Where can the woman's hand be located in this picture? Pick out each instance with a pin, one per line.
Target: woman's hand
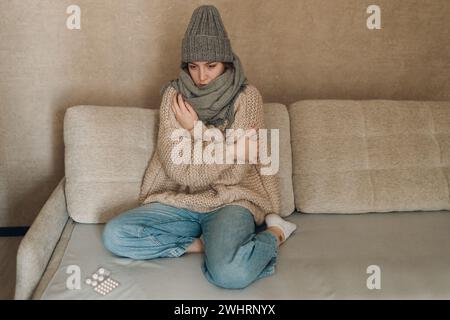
(184, 113)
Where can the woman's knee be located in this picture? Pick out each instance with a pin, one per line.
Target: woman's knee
(122, 229)
(230, 275)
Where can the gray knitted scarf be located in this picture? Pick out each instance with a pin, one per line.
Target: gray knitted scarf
(214, 103)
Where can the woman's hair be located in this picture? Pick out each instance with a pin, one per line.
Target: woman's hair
(228, 65)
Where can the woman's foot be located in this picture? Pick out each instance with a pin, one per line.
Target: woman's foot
(196, 246)
(281, 228)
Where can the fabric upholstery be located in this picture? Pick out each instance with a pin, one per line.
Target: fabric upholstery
(37, 246)
(326, 258)
(276, 116)
(370, 156)
(106, 153)
(56, 258)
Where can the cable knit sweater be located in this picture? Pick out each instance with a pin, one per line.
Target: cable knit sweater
(205, 187)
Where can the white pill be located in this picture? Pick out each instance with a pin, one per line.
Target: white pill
(101, 271)
(101, 278)
(88, 281)
(94, 283)
(95, 276)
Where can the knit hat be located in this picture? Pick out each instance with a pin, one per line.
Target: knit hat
(205, 38)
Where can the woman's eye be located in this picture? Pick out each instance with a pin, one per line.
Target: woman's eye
(213, 66)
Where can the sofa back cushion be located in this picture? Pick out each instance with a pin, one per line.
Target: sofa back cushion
(106, 153)
(107, 150)
(276, 116)
(370, 156)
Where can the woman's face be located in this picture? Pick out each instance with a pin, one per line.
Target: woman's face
(203, 72)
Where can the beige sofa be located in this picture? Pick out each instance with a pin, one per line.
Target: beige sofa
(367, 183)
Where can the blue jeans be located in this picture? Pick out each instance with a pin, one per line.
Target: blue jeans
(234, 255)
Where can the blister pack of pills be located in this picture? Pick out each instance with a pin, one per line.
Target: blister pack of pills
(102, 282)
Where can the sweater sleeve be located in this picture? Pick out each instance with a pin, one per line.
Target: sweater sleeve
(203, 174)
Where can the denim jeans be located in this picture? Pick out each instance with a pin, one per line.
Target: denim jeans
(234, 255)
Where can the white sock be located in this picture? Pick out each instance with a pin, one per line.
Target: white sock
(274, 220)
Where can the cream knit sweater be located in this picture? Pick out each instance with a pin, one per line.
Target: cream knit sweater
(206, 187)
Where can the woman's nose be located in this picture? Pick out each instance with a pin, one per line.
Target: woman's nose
(202, 76)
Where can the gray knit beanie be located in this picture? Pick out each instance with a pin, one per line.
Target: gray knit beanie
(205, 38)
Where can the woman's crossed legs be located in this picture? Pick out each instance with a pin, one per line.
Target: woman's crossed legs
(234, 255)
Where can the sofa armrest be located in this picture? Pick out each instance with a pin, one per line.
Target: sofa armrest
(37, 246)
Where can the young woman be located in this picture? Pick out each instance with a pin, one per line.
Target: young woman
(206, 207)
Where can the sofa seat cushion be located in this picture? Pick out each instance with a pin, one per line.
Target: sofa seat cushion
(327, 258)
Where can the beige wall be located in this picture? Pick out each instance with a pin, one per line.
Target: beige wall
(125, 51)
